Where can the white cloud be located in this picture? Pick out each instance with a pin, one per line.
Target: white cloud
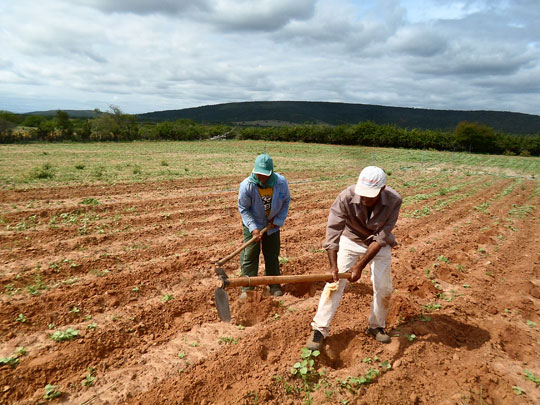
(147, 56)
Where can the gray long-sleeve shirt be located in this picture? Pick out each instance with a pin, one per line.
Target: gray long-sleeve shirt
(349, 217)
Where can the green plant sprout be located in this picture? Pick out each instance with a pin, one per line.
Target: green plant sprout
(305, 370)
(89, 379)
(227, 340)
(532, 377)
(410, 338)
(92, 326)
(21, 351)
(443, 259)
(353, 383)
(9, 361)
(51, 392)
(432, 307)
(166, 298)
(68, 334)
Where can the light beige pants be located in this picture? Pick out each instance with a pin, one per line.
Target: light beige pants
(381, 279)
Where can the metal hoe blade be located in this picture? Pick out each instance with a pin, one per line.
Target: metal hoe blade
(222, 305)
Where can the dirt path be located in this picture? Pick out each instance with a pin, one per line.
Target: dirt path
(130, 268)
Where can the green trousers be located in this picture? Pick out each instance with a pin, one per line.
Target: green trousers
(249, 258)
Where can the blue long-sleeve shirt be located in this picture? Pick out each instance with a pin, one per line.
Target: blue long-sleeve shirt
(251, 206)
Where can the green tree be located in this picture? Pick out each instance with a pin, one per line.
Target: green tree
(64, 124)
(114, 126)
(33, 120)
(475, 137)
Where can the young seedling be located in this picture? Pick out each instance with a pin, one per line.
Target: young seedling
(227, 340)
(20, 351)
(532, 377)
(92, 326)
(410, 338)
(89, 379)
(9, 361)
(181, 355)
(443, 259)
(166, 298)
(21, 318)
(283, 260)
(51, 392)
(68, 334)
(305, 370)
(518, 390)
(90, 201)
(432, 307)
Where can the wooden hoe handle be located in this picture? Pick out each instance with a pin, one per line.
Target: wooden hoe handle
(245, 245)
(267, 280)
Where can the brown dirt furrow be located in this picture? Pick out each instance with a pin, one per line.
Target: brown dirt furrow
(464, 314)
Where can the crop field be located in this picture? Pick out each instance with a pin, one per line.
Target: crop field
(107, 279)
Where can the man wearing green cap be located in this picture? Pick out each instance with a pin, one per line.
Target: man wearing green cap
(263, 201)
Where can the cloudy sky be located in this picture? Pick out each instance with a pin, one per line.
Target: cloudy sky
(152, 55)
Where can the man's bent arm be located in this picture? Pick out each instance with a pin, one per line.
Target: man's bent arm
(356, 270)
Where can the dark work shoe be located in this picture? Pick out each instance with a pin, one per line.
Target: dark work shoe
(379, 334)
(315, 341)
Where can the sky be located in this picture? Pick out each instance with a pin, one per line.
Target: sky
(143, 56)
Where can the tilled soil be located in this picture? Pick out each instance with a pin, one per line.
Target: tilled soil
(130, 267)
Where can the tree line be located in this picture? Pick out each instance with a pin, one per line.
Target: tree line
(116, 126)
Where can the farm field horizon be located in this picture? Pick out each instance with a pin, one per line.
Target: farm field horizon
(107, 281)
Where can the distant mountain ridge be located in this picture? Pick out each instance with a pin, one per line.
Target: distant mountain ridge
(300, 112)
(71, 113)
(266, 113)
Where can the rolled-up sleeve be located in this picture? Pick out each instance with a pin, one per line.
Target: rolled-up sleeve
(336, 224)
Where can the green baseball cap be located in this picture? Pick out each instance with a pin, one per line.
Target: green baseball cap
(263, 165)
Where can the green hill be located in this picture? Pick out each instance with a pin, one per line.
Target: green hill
(301, 112)
(71, 113)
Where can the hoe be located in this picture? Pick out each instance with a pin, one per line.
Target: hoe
(222, 301)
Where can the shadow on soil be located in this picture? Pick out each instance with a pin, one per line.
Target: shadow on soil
(341, 350)
(441, 329)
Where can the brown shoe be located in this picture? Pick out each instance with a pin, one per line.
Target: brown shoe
(379, 334)
(315, 341)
